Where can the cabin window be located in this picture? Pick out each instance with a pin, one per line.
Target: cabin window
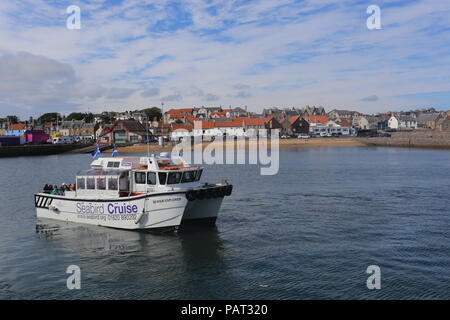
(174, 178)
(81, 184)
(90, 183)
(101, 184)
(113, 164)
(124, 182)
(199, 175)
(112, 184)
(162, 177)
(139, 177)
(188, 176)
(151, 178)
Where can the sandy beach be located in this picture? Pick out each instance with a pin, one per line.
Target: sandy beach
(283, 143)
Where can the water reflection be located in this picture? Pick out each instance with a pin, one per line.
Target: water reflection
(145, 264)
(193, 241)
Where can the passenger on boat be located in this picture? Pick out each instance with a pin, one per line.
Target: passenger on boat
(47, 188)
(54, 190)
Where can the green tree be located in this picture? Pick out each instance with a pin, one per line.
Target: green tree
(49, 117)
(12, 119)
(152, 113)
(77, 116)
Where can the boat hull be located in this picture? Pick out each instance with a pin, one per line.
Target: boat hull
(202, 211)
(153, 211)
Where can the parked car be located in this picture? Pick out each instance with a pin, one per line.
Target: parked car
(303, 136)
(284, 136)
(385, 134)
(63, 140)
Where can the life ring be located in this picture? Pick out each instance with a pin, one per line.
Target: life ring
(199, 194)
(209, 193)
(228, 190)
(215, 193)
(190, 195)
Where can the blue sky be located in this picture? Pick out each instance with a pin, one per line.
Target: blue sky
(137, 53)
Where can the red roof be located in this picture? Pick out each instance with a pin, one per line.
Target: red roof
(316, 119)
(177, 111)
(183, 116)
(292, 119)
(219, 113)
(179, 126)
(253, 121)
(17, 126)
(345, 123)
(205, 124)
(232, 123)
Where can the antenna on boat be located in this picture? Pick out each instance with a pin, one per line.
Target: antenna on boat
(148, 145)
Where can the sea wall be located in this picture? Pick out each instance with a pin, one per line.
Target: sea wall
(36, 150)
(412, 139)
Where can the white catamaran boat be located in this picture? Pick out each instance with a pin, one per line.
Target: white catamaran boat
(136, 193)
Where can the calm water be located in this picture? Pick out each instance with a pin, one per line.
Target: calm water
(309, 232)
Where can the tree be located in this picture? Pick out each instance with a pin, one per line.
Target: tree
(49, 117)
(77, 116)
(108, 117)
(152, 113)
(12, 119)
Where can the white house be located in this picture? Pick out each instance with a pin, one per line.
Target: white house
(331, 127)
(402, 122)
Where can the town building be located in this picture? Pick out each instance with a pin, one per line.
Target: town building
(294, 125)
(16, 130)
(402, 122)
(429, 120)
(360, 122)
(336, 114)
(123, 131)
(77, 128)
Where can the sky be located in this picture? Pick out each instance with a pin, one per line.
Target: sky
(133, 54)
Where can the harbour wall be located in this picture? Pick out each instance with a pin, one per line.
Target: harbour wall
(37, 150)
(412, 139)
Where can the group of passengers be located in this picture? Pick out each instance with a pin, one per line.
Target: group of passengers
(60, 191)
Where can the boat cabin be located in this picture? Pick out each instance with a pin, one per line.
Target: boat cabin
(129, 176)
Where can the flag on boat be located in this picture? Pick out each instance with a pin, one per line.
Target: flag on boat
(115, 153)
(97, 152)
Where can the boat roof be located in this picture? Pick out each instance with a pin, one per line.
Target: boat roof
(100, 172)
(154, 162)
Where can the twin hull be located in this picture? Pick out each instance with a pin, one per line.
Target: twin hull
(150, 211)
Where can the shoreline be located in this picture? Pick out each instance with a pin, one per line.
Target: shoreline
(283, 144)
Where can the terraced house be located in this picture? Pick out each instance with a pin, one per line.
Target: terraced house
(123, 131)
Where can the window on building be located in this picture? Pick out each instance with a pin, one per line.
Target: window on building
(162, 176)
(174, 178)
(81, 184)
(112, 184)
(151, 178)
(90, 183)
(188, 176)
(139, 177)
(101, 183)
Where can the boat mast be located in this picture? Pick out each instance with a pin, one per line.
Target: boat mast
(148, 145)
